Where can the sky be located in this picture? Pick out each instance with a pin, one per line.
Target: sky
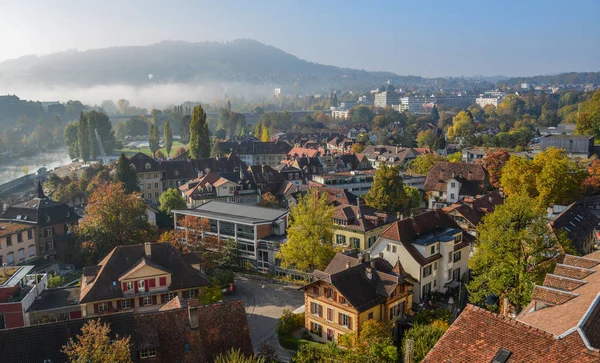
(425, 38)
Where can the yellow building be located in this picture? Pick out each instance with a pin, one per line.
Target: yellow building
(358, 226)
(352, 291)
(149, 174)
(141, 278)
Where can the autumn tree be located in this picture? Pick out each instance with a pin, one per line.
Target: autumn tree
(199, 134)
(387, 192)
(375, 341)
(493, 162)
(268, 200)
(421, 339)
(588, 120)
(265, 135)
(126, 174)
(423, 163)
(512, 251)
(592, 181)
(462, 125)
(168, 136)
(236, 356)
(96, 344)
(310, 234)
(171, 199)
(357, 148)
(426, 138)
(551, 177)
(113, 218)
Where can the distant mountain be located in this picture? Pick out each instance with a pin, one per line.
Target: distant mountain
(246, 61)
(555, 79)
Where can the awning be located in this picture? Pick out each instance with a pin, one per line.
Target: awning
(452, 284)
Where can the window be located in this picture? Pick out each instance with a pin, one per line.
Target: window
(344, 320)
(156, 185)
(141, 285)
(340, 239)
(315, 308)
(426, 290)
(457, 256)
(343, 300)
(155, 194)
(125, 304)
(19, 237)
(149, 186)
(48, 232)
(316, 328)
(148, 353)
(102, 307)
(169, 296)
(8, 241)
(370, 317)
(397, 310)
(315, 290)
(328, 293)
(30, 234)
(451, 195)
(21, 254)
(388, 247)
(433, 249)
(11, 258)
(452, 185)
(329, 334)
(354, 242)
(426, 271)
(435, 265)
(149, 195)
(372, 240)
(31, 251)
(162, 281)
(130, 285)
(190, 294)
(458, 238)
(329, 314)
(148, 300)
(393, 249)
(449, 256)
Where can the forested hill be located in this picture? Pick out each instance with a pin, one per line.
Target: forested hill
(557, 79)
(246, 61)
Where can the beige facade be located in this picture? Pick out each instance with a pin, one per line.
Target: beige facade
(353, 238)
(17, 243)
(150, 184)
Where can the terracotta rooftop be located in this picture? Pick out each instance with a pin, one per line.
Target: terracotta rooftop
(566, 297)
(478, 335)
(473, 178)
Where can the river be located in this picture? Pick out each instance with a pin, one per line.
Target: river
(49, 159)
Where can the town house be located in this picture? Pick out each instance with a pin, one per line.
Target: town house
(431, 247)
(140, 277)
(447, 183)
(231, 187)
(149, 174)
(17, 242)
(358, 226)
(351, 291)
(579, 225)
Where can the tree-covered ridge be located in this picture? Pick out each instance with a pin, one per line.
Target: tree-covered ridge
(556, 79)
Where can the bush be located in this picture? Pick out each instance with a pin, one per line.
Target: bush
(423, 338)
(290, 322)
(427, 316)
(55, 281)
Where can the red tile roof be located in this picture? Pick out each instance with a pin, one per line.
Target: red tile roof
(473, 178)
(551, 295)
(477, 336)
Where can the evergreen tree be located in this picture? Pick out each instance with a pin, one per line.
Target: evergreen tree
(199, 135)
(435, 115)
(153, 139)
(83, 137)
(184, 129)
(126, 175)
(92, 143)
(168, 136)
(258, 131)
(387, 193)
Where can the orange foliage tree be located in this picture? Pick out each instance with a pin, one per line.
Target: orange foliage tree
(493, 162)
(95, 345)
(592, 181)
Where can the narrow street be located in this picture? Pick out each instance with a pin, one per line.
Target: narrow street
(265, 303)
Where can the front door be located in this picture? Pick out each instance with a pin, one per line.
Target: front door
(456, 274)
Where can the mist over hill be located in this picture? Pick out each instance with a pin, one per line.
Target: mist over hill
(241, 62)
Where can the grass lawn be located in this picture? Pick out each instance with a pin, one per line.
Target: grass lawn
(146, 150)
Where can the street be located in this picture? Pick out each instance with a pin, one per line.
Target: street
(265, 302)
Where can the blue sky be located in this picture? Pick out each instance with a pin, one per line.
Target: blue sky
(427, 38)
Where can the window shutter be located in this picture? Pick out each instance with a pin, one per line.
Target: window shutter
(95, 308)
(320, 330)
(147, 284)
(124, 286)
(153, 299)
(163, 298)
(152, 282)
(141, 300)
(350, 322)
(163, 281)
(335, 295)
(340, 318)
(135, 287)
(119, 305)
(132, 303)
(320, 311)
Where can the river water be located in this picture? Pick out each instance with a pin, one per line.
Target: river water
(49, 159)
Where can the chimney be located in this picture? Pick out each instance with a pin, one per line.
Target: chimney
(148, 250)
(369, 273)
(193, 316)
(5, 269)
(358, 205)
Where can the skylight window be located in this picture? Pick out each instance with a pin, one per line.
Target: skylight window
(502, 356)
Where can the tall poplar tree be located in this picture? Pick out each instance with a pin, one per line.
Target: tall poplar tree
(83, 137)
(199, 134)
(153, 139)
(168, 135)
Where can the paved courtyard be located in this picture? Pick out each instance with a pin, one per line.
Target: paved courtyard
(265, 301)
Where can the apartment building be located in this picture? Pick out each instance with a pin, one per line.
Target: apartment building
(17, 242)
(258, 231)
(230, 187)
(149, 174)
(384, 99)
(357, 182)
(351, 291)
(141, 278)
(19, 289)
(431, 247)
(447, 183)
(358, 226)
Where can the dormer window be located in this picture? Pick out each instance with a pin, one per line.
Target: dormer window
(452, 185)
(148, 166)
(458, 238)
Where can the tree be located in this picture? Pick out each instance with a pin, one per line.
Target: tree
(357, 148)
(493, 162)
(83, 138)
(361, 114)
(95, 344)
(512, 252)
(426, 138)
(268, 200)
(126, 175)
(310, 234)
(387, 192)
(199, 135)
(551, 177)
(462, 125)
(236, 356)
(184, 129)
(168, 136)
(422, 339)
(210, 294)
(171, 199)
(588, 121)
(153, 140)
(265, 135)
(455, 157)
(375, 341)
(423, 163)
(25, 170)
(113, 218)
(435, 115)
(413, 198)
(592, 181)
